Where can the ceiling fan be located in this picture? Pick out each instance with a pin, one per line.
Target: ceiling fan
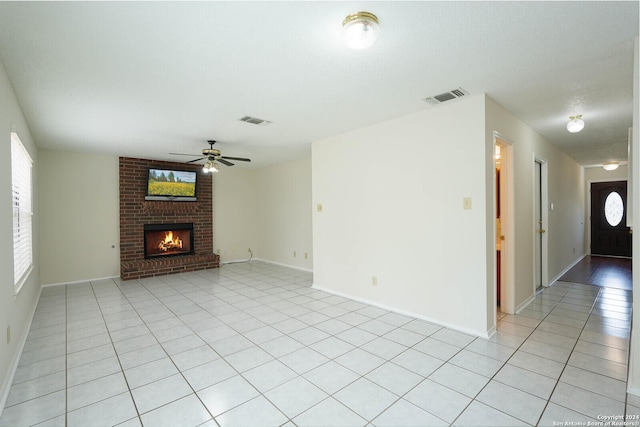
(213, 157)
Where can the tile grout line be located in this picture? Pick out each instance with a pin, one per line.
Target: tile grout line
(569, 357)
(527, 338)
(503, 365)
(238, 373)
(301, 375)
(116, 353)
(360, 376)
(298, 375)
(165, 352)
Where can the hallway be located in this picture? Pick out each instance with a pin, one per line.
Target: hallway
(608, 272)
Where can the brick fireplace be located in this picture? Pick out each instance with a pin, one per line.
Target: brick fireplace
(155, 219)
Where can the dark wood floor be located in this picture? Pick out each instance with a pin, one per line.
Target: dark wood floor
(602, 271)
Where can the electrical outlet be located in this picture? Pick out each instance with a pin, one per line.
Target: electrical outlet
(374, 280)
(8, 334)
(218, 251)
(319, 207)
(294, 254)
(306, 255)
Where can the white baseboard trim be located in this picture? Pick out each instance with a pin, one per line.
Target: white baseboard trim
(284, 265)
(6, 384)
(563, 272)
(80, 281)
(524, 304)
(482, 334)
(634, 390)
(492, 331)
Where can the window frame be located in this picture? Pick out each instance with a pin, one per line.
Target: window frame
(22, 211)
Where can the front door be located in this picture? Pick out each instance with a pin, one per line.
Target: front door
(609, 232)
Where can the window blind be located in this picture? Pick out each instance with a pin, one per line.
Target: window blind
(21, 185)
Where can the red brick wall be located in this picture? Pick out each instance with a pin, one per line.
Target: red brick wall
(135, 212)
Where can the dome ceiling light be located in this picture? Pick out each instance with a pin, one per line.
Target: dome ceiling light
(360, 30)
(610, 166)
(576, 124)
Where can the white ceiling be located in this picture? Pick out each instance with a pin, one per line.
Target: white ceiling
(144, 79)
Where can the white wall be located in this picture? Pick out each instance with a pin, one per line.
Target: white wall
(392, 207)
(284, 214)
(598, 174)
(79, 216)
(15, 311)
(566, 234)
(565, 229)
(267, 210)
(234, 214)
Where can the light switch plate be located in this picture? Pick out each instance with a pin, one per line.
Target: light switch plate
(466, 203)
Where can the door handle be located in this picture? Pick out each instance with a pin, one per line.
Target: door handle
(542, 231)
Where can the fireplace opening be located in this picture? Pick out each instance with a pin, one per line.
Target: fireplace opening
(164, 240)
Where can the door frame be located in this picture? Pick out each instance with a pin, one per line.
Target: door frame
(507, 223)
(545, 207)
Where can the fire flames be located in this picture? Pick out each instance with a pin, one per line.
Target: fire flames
(170, 242)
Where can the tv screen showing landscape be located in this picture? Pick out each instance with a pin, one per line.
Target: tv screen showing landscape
(171, 184)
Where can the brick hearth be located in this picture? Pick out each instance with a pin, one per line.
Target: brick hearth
(135, 212)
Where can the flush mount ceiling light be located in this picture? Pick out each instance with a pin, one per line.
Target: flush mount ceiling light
(576, 124)
(360, 30)
(610, 166)
(210, 166)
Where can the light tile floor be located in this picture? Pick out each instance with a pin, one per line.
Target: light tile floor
(254, 345)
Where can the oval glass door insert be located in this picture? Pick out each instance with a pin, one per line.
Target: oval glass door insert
(613, 209)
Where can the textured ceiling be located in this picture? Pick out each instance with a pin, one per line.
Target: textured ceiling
(145, 79)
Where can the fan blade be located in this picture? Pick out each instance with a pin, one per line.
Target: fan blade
(183, 154)
(196, 160)
(240, 159)
(224, 162)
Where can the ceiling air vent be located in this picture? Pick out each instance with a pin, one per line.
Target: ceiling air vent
(255, 121)
(447, 96)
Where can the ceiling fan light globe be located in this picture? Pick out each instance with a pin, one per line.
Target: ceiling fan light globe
(208, 167)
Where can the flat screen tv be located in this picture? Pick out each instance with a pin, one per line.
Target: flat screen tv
(171, 184)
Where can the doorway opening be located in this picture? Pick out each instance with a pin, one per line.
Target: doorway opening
(504, 257)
